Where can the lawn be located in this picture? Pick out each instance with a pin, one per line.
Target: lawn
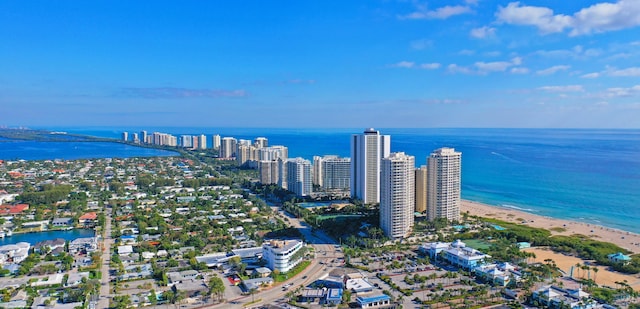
(477, 244)
(290, 274)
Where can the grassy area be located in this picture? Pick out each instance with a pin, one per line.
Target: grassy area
(290, 274)
(477, 244)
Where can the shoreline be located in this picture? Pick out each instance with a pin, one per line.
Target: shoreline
(624, 239)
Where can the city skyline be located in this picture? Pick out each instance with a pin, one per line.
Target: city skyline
(466, 63)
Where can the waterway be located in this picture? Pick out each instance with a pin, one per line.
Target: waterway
(34, 238)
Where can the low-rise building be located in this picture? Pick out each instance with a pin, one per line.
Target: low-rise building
(619, 258)
(374, 301)
(555, 297)
(14, 253)
(83, 244)
(47, 246)
(282, 255)
(456, 253)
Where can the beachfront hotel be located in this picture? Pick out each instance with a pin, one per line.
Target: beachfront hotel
(282, 255)
(397, 197)
(443, 184)
(367, 151)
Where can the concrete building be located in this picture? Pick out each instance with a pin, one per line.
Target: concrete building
(421, 189)
(202, 141)
(261, 142)
(397, 197)
(443, 184)
(125, 136)
(282, 255)
(144, 137)
(367, 151)
(228, 147)
(456, 253)
(299, 176)
(273, 153)
(332, 172)
(186, 141)
(136, 138)
(268, 171)
(216, 142)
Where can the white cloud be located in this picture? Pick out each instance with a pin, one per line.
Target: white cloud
(591, 75)
(430, 66)
(597, 18)
(493, 53)
(439, 13)
(568, 88)
(403, 64)
(622, 92)
(483, 32)
(577, 52)
(519, 70)
(540, 17)
(454, 68)
(628, 72)
(553, 69)
(603, 17)
(482, 67)
(420, 44)
(467, 52)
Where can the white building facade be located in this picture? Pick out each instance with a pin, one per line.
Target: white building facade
(367, 151)
(282, 255)
(444, 184)
(397, 195)
(299, 176)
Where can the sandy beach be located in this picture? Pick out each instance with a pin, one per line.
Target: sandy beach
(624, 239)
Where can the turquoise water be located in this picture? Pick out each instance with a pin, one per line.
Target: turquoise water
(584, 175)
(37, 150)
(34, 238)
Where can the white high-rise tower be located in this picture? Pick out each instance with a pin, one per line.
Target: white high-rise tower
(367, 151)
(443, 184)
(397, 195)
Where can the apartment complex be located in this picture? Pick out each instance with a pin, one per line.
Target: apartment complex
(397, 197)
(367, 151)
(444, 184)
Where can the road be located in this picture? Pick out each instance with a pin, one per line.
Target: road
(321, 243)
(103, 302)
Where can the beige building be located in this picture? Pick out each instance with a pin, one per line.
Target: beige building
(421, 189)
(397, 195)
(444, 184)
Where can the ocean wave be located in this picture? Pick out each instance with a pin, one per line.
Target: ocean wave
(504, 157)
(518, 208)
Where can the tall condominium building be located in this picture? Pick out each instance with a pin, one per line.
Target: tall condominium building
(125, 136)
(332, 172)
(195, 142)
(228, 147)
(367, 151)
(163, 139)
(244, 154)
(186, 141)
(443, 184)
(269, 172)
(143, 137)
(397, 186)
(260, 142)
(202, 142)
(273, 153)
(299, 176)
(216, 142)
(421, 189)
(136, 138)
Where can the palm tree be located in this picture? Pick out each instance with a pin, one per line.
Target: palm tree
(578, 268)
(595, 273)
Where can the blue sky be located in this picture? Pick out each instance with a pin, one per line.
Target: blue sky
(466, 63)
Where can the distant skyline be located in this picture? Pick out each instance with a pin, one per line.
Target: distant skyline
(345, 64)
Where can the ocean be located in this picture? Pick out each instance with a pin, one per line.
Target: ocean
(587, 175)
